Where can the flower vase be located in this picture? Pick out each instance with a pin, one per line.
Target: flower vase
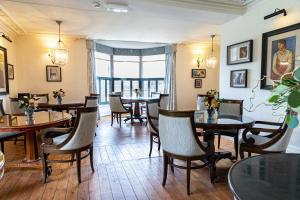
(59, 99)
(29, 113)
(210, 113)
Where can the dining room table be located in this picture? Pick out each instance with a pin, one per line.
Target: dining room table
(136, 101)
(267, 177)
(41, 120)
(207, 127)
(64, 106)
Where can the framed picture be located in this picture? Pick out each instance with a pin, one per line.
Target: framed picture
(240, 53)
(238, 78)
(11, 72)
(279, 48)
(198, 73)
(4, 87)
(198, 83)
(53, 73)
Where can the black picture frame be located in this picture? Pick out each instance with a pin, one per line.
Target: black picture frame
(264, 53)
(245, 46)
(243, 81)
(11, 72)
(53, 73)
(4, 83)
(198, 73)
(198, 83)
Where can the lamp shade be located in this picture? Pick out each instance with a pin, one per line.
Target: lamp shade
(211, 62)
(59, 55)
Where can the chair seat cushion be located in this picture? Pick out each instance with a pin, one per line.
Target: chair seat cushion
(259, 140)
(58, 140)
(9, 135)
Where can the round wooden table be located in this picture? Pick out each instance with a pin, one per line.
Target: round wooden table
(60, 107)
(41, 120)
(269, 176)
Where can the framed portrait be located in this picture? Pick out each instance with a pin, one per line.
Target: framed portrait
(238, 78)
(279, 49)
(240, 53)
(53, 73)
(11, 72)
(4, 87)
(198, 73)
(198, 83)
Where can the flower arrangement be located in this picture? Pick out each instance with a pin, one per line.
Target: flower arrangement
(137, 92)
(29, 105)
(286, 93)
(212, 100)
(58, 95)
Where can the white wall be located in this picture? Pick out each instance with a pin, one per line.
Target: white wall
(32, 59)
(251, 26)
(185, 62)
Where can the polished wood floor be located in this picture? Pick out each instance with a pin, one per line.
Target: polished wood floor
(123, 171)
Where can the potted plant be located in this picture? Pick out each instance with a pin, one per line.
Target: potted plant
(29, 105)
(58, 95)
(211, 102)
(286, 93)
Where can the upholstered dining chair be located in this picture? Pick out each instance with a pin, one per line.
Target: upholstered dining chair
(179, 140)
(117, 108)
(200, 101)
(234, 108)
(9, 136)
(79, 140)
(14, 106)
(152, 118)
(271, 138)
(164, 101)
(41, 98)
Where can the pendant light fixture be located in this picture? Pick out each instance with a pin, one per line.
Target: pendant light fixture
(211, 60)
(59, 54)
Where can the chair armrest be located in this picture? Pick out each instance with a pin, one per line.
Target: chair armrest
(49, 133)
(257, 131)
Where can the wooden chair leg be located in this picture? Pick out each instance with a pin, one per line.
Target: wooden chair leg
(249, 154)
(120, 121)
(242, 156)
(219, 141)
(131, 117)
(166, 161)
(188, 176)
(236, 146)
(2, 146)
(78, 160)
(158, 144)
(92, 158)
(45, 167)
(72, 158)
(151, 143)
(112, 119)
(171, 166)
(16, 140)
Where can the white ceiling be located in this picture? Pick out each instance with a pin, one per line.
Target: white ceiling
(163, 21)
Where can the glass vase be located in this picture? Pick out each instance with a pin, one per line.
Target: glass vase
(59, 99)
(29, 113)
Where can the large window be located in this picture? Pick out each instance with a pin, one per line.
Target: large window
(126, 73)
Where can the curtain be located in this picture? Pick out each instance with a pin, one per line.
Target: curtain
(91, 65)
(170, 79)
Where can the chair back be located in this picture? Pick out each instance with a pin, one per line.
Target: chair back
(2, 112)
(21, 95)
(200, 101)
(164, 101)
(178, 135)
(14, 106)
(117, 93)
(84, 130)
(152, 115)
(91, 101)
(41, 98)
(231, 107)
(115, 103)
(282, 143)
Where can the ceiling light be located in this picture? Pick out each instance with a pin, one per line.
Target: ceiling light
(211, 60)
(117, 8)
(59, 54)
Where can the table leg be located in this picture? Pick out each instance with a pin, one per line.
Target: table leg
(136, 111)
(31, 146)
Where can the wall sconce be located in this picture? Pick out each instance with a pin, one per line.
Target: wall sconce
(200, 58)
(275, 13)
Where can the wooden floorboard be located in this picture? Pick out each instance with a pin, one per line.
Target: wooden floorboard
(123, 170)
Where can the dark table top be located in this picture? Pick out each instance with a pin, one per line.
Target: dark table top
(270, 176)
(138, 99)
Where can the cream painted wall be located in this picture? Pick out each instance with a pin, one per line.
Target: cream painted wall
(251, 26)
(32, 59)
(185, 62)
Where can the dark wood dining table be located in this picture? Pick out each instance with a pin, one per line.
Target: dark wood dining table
(136, 110)
(67, 106)
(41, 120)
(267, 177)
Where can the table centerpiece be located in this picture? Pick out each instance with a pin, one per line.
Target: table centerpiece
(211, 102)
(58, 95)
(29, 104)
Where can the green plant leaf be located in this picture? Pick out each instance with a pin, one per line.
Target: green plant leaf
(274, 98)
(294, 99)
(297, 74)
(280, 89)
(296, 109)
(292, 121)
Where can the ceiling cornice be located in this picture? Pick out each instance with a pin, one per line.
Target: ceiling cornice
(8, 24)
